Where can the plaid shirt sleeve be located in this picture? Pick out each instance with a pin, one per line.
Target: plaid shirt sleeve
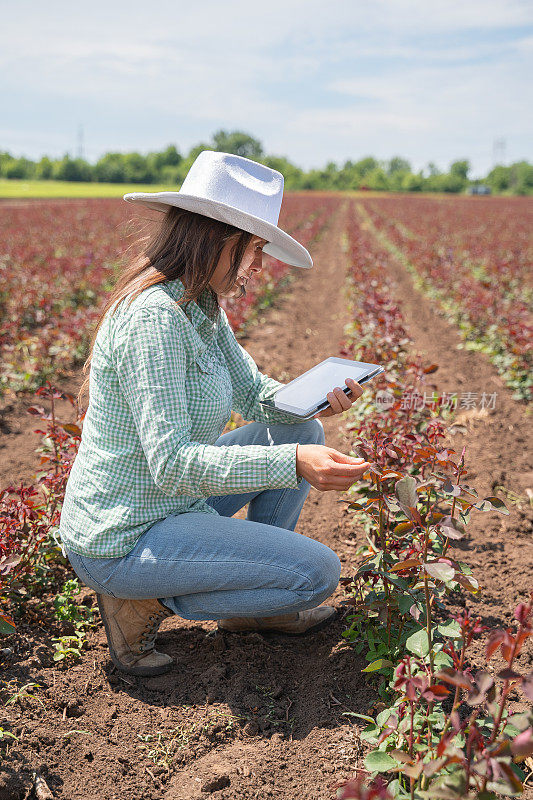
(249, 384)
(151, 353)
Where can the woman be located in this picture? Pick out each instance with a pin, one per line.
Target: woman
(147, 517)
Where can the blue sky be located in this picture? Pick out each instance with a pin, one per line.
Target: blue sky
(314, 81)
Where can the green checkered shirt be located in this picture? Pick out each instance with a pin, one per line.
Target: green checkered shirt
(163, 381)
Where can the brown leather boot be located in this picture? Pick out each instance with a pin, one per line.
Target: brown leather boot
(294, 624)
(131, 627)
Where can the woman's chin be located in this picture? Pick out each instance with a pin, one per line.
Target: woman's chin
(234, 294)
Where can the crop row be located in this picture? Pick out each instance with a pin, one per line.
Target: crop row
(59, 261)
(474, 260)
(443, 729)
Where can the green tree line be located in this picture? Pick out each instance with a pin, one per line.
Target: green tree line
(170, 167)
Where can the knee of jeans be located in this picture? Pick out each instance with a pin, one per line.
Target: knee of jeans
(312, 431)
(326, 572)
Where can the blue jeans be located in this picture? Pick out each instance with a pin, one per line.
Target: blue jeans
(206, 567)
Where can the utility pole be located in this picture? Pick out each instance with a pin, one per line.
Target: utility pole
(498, 151)
(80, 141)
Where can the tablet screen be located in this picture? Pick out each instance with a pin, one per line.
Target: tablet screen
(308, 390)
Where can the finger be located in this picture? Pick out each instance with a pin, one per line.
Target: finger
(341, 486)
(354, 386)
(333, 400)
(343, 458)
(357, 389)
(342, 398)
(347, 470)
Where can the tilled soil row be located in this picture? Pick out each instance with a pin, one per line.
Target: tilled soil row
(499, 453)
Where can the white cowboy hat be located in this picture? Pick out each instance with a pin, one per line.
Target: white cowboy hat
(238, 191)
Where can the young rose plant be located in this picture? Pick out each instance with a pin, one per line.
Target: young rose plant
(469, 748)
(29, 515)
(407, 571)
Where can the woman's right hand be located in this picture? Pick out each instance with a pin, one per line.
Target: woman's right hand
(327, 469)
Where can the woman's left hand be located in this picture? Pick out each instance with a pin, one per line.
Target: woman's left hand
(339, 401)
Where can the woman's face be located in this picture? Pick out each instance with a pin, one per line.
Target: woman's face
(252, 261)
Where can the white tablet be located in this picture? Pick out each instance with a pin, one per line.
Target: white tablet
(307, 394)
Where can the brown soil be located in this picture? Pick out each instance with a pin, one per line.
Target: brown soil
(499, 452)
(18, 459)
(290, 738)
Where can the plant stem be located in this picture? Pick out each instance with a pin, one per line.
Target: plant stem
(506, 687)
(56, 461)
(428, 624)
(456, 700)
(382, 538)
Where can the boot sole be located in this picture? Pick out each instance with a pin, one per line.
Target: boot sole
(313, 629)
(140, 671)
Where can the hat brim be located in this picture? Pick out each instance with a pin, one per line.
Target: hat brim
(279, 244)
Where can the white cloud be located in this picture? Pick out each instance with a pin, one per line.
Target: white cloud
(314, 81)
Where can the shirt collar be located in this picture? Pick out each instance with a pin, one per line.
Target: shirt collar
(202, 312)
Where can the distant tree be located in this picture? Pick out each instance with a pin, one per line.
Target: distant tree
(517, 178)
(447, 182)
(186, 163)
(44, 169)
(137, 169)
(351, 175)
(398, 164)
(239, 143)
(170, 167)
(292, 174)
(313, 179)
(170, 175)
(157, 162)
(433, 169)
(521, 177)
(5, 159)
(376, 179)
(498, 178)
(460, 169)
(366, 165)
(195, 151)
(412, 182)
(17, 167)
(110, 168)
(72, 169)
(347, 178)
(331, 176)
(171, 157)
(396, 180)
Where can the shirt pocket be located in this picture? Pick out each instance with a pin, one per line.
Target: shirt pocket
(209, 380)
(209, 393)
(204, 376)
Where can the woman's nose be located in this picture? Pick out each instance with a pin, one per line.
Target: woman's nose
(257, 263)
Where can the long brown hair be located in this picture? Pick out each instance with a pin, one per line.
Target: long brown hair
(185, 246)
